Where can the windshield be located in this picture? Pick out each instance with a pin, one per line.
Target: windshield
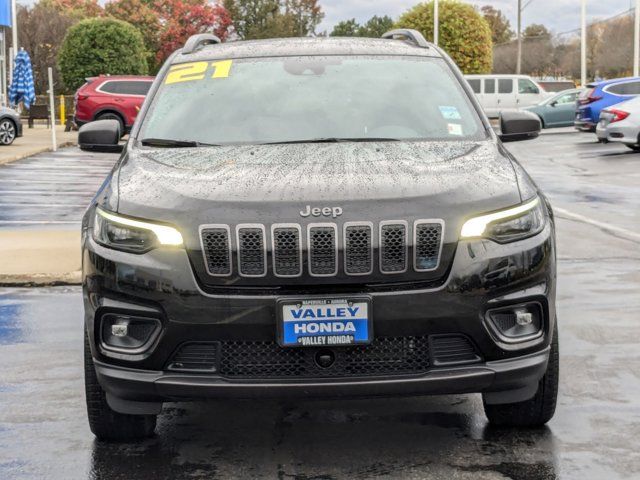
(296, 99)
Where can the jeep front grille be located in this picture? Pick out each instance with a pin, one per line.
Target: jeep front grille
(427, 244)
(217, 249)
(287, 254)
(323, 249)
(252, 253)
(393, 247)
(358, 256)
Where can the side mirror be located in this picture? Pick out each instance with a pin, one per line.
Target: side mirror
(520, 125)
(100, 136)
(554, 103)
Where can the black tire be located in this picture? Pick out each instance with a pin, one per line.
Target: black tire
(538, 410)
(113, 116)
(105, 423)
(635, 148)
(7, 131)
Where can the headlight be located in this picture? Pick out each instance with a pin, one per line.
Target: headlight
(507, 225)
(131, 235)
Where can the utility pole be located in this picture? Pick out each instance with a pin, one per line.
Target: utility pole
(14, 28)
(636, 41)
(583, 45)
(436, 22)
(519, 60)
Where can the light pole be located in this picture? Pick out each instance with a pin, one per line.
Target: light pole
(436, 22)
(636, 40)
(14, 27)
(519, 59)
(583, 45)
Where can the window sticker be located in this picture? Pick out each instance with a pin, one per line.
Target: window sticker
(454, 128)
(449, 112)
(195, 71)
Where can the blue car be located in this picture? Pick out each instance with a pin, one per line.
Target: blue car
(600, 95)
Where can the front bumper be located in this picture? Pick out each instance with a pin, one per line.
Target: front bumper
(502, 381)
(161, 284)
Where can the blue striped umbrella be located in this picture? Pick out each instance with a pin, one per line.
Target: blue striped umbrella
(22, 88)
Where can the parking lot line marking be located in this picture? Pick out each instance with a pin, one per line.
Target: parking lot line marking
(48, 192)
(45, 205)
(39, 222)
(623, 232)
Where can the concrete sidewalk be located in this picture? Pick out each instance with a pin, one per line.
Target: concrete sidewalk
(35, 140)
(39, 257)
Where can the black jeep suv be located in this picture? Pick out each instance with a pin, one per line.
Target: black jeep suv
(316, 217)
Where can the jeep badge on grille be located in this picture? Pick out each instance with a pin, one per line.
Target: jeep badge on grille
(324, 211)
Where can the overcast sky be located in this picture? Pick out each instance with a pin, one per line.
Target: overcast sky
(558, 15)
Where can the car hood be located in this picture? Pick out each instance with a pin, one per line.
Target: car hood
(275, 182)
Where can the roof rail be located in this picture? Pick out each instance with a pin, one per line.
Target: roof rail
(413, 36)
(194, 42)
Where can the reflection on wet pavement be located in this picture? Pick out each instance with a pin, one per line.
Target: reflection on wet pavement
(594, 435)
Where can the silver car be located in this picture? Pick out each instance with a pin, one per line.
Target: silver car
(621, 123)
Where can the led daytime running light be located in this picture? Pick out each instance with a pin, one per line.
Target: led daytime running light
(475, 227)
(166, 235)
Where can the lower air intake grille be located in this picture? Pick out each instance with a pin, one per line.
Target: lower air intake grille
(427, 245)
(393, 248)
(217, 253)
(322, 251)
(452, 350)
(357, 250)
(251, 251)
(267, 360)
(195, 357)
(385, 356)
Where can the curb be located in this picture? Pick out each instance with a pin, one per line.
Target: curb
(35, 151)
(41, 279)
(565, 132)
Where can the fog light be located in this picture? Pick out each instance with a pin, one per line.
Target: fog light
(126, 333)
(519, 323)
(119, 330)
(523, 317)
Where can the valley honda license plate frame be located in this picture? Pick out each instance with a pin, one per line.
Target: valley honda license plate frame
(324, 322)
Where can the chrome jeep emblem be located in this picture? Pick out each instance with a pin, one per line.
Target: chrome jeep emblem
(324, 211)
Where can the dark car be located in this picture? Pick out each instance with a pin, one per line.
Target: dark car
(10, 126)
(600, 95)
(316, 217)
(115, 97)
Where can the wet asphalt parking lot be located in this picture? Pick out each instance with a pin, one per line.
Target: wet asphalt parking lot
(595, 190)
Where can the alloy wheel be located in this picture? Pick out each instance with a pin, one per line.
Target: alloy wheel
(7, 132)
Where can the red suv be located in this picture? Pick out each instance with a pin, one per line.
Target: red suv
(116, 97)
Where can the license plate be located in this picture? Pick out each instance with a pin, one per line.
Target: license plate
(329, 322)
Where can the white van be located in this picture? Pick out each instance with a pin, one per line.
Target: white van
(498, 93)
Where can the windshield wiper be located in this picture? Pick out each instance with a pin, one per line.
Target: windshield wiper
(335, 140)
(170, 143)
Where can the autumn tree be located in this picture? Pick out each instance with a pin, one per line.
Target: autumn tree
(98, 46)
(142, 15)
(305, 14)
(374, 28)
(41, 29)
(464, 33)
(346, 28)
(77, 9)
(182, 18)
(536, 30)
(500, 26)
(274, 18)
